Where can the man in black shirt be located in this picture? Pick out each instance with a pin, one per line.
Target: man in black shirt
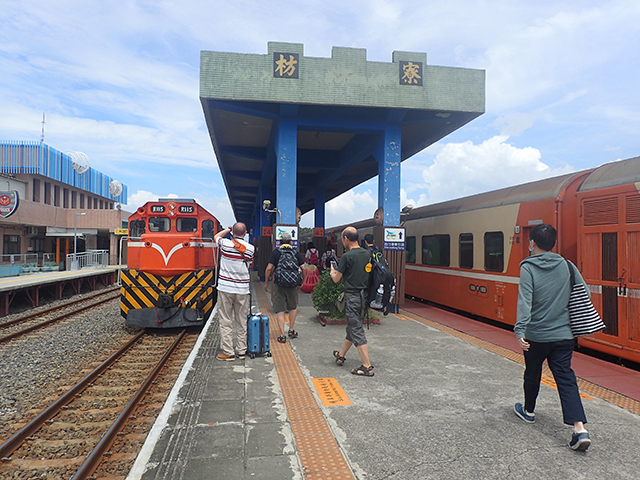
(354, 268)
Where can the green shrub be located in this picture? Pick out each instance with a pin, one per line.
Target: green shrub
(326, 293)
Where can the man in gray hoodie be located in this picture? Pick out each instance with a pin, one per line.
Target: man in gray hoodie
(543, 331)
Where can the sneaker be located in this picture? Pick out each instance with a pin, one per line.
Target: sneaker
(580, 441)
(523, 414)
(225, 358)
(240, 356)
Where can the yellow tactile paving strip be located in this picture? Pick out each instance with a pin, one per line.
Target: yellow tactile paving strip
(584, 385)
(319, 453)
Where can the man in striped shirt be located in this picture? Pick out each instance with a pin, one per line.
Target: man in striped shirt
(236, 256)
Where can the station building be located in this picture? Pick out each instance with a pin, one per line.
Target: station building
(50, 203)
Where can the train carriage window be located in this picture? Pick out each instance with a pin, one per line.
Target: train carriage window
(136, 228)
(159, 224)
(466, 250)
(411, 250)
(207, 229)
(187, 224)
(494, 251)
(436, 250)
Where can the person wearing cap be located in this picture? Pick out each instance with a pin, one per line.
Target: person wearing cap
(284, 298)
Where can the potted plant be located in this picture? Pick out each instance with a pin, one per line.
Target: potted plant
(324, 297)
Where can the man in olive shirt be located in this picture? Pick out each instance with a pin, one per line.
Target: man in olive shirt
(354, 268)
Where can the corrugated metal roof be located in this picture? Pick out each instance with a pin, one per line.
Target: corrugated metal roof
(613, 174)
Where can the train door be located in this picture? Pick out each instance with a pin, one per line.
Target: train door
(609, 259)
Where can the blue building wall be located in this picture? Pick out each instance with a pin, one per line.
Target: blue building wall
(35, 158)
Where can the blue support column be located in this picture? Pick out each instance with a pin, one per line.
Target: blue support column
(319, 219)
(286, 146)
(388, 155)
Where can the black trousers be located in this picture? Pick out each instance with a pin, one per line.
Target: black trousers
(558, 356)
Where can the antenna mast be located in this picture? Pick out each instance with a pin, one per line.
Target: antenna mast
(43, 122)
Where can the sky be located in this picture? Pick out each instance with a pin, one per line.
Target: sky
(119, 81)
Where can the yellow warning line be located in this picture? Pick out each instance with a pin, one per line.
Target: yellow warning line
(319, 453)
(584, 385)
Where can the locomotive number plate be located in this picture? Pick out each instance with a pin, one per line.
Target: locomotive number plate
(187, 209)
(157, 208)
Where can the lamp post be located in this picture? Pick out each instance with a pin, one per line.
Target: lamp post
(75, 237)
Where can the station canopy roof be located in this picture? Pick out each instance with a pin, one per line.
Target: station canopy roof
(340, 117)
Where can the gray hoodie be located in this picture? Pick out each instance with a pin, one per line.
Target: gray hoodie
(543, 298)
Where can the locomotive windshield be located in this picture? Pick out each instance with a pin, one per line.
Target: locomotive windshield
(207, 229)
(136, 228)
(159, 224)
(189, 224)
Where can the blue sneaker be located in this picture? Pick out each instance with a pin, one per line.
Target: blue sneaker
(523, 414)
(580, 441)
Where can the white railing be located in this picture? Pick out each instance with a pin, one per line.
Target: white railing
(20, 259)
(90, 259)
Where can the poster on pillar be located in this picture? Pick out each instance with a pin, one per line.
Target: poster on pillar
(394, 239)
(280, 230)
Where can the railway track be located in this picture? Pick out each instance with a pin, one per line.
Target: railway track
(32, 321)
(100, 423)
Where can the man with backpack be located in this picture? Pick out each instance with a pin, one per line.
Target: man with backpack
(382, 287)
(289, 271)
(354, 268)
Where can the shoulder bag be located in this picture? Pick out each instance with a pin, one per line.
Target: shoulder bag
(583, 316)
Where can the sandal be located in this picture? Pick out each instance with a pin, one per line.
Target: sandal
(293, 334)
(339, 360)
(363, 371)
(282, 339)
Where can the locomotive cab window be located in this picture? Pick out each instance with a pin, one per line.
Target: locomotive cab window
(207, 229)
(136, 228)
(466, 250)
(159, 224)
(436, 250)
(187, 224)
(494, 251)
(411, 250)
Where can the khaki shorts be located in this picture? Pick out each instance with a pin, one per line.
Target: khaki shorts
(284, 298)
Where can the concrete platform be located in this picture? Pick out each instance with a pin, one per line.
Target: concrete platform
(438, 407)
(53, 282)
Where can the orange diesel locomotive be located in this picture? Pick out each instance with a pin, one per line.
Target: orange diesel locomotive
(170, 276)
(465, 253)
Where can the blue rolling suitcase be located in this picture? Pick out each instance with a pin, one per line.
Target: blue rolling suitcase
(258, 335)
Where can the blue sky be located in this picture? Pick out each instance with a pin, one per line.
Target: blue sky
(119, 81)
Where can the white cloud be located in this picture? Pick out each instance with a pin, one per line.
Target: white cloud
(492, 165)
(141, 197)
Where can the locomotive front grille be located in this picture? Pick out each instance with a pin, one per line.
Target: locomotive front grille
(189, 290)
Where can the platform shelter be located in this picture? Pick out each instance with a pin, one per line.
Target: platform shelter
(292, 132)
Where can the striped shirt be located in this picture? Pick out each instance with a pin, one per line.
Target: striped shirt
(234, 274)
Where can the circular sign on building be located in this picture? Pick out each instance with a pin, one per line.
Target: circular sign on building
(8, 203)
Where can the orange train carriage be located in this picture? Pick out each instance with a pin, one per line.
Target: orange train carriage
(465, 253)
(170, 276)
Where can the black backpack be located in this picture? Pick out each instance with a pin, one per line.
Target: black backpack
(287, 273)
(382, 284)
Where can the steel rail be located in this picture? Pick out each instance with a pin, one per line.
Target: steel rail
(54, 308)
(95, 457)
(18, 438)
(24, 331)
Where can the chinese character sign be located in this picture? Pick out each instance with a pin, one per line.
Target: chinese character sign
(410, 73)
(285, 65)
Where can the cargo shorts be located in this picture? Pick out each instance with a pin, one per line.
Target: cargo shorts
(284, 298)
(354, 312)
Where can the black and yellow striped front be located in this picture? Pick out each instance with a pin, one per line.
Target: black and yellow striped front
(148, 300)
